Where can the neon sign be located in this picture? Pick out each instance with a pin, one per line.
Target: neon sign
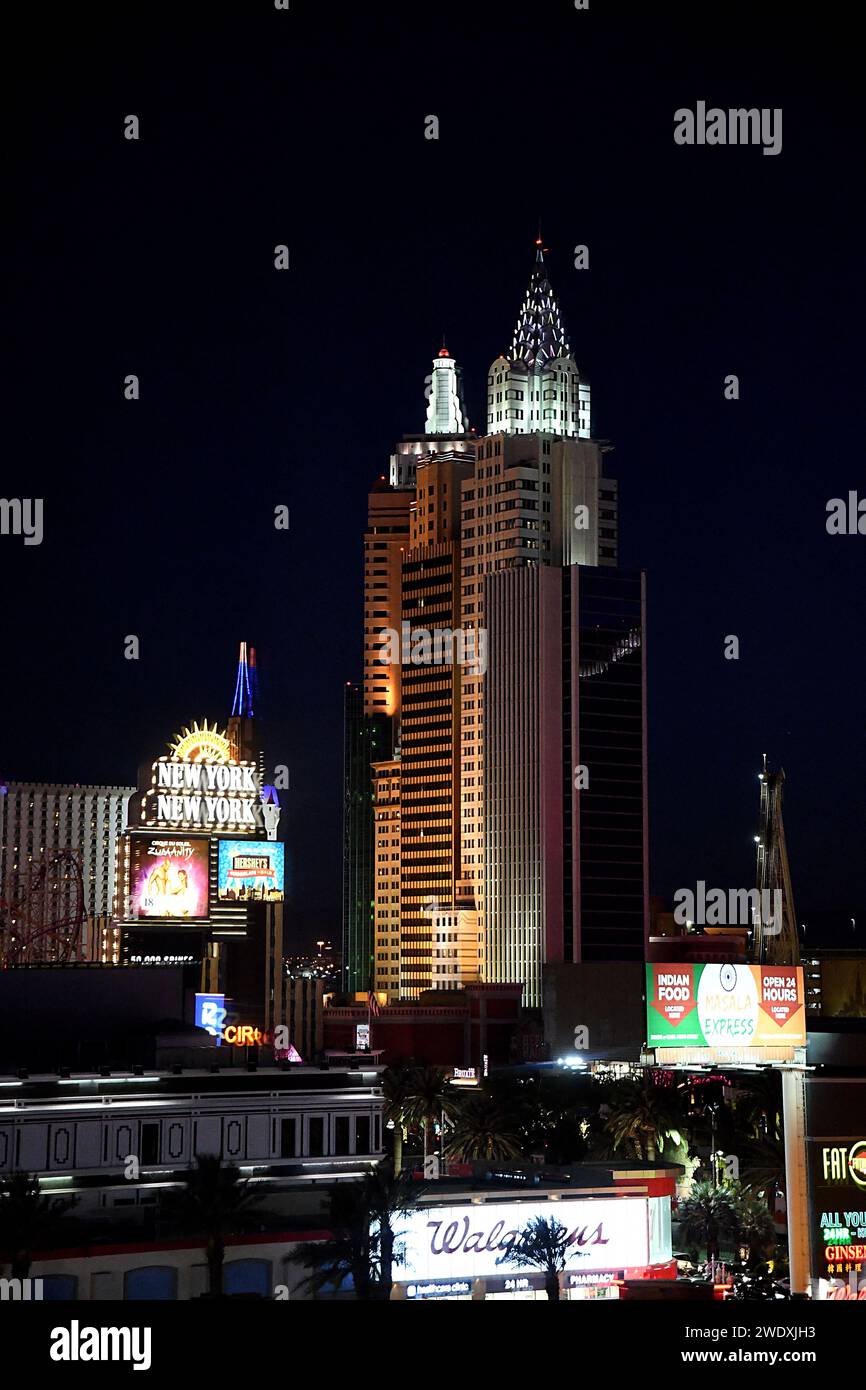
(200, 786)
(838, 1185)
(202, 745)
(244, 1035)
(844, 1163)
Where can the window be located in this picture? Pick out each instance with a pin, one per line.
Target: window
(150, 1143)
(152, 1282)
(248, 1276)
(288, 1138)
(341, 1134)
(316, 1137)
(59, 1288)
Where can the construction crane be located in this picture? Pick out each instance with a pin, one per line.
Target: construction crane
(42, 912)
(774, 928)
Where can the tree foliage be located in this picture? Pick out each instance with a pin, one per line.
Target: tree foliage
(365, 1239)
(542, 1244)
(29, 1220)
(214, 1202)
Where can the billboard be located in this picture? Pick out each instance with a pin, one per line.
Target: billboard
(251, 871)
(837, 1203)
(469, 1241)
(168, 877)
(725, 1006)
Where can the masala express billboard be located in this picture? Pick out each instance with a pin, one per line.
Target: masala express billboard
(725, 1006)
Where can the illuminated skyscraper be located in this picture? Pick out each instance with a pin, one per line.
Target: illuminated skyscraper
(410, 553)
(511, 804)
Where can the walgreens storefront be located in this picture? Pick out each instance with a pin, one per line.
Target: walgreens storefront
(459, 1245)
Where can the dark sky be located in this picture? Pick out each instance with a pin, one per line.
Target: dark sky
(259, 387)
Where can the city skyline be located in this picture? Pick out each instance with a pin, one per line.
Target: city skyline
(433, 767)
(718, 498)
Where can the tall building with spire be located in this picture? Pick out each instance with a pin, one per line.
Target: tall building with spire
(539, 536)
(510, 807)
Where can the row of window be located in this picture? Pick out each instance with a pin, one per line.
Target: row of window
(159, 1283)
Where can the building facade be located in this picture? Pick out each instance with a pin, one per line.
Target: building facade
(122, 1144)
(58, 863)
(366, 737)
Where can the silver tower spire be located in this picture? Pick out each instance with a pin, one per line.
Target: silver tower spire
(537, 388)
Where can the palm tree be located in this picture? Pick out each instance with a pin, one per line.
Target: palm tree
(762, 1166)
(364, 1242)
(541, 1244)
(758, 1120)
(758, 1107)
(644, 1118)
(396, 1088)
(751, 1222)
(214, 1202)
(28, 1220)
(350, 1248)
(548, 1113)
(428, 1098)
(389, 1195)
(482, 1130)
(706, 1215)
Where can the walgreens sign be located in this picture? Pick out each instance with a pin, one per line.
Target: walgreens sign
(468, 1241)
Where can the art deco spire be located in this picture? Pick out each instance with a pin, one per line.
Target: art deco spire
(540, 333)
(245, 685)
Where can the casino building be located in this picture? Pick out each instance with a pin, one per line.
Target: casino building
(200, 871)
(122, 1143)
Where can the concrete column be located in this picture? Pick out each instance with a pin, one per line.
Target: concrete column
(794, 1119)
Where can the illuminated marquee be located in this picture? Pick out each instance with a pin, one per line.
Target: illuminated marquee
(201, 787)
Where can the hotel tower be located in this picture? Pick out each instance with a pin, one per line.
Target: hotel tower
(501, 823)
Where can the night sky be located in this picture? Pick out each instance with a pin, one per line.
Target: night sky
(261, 387)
